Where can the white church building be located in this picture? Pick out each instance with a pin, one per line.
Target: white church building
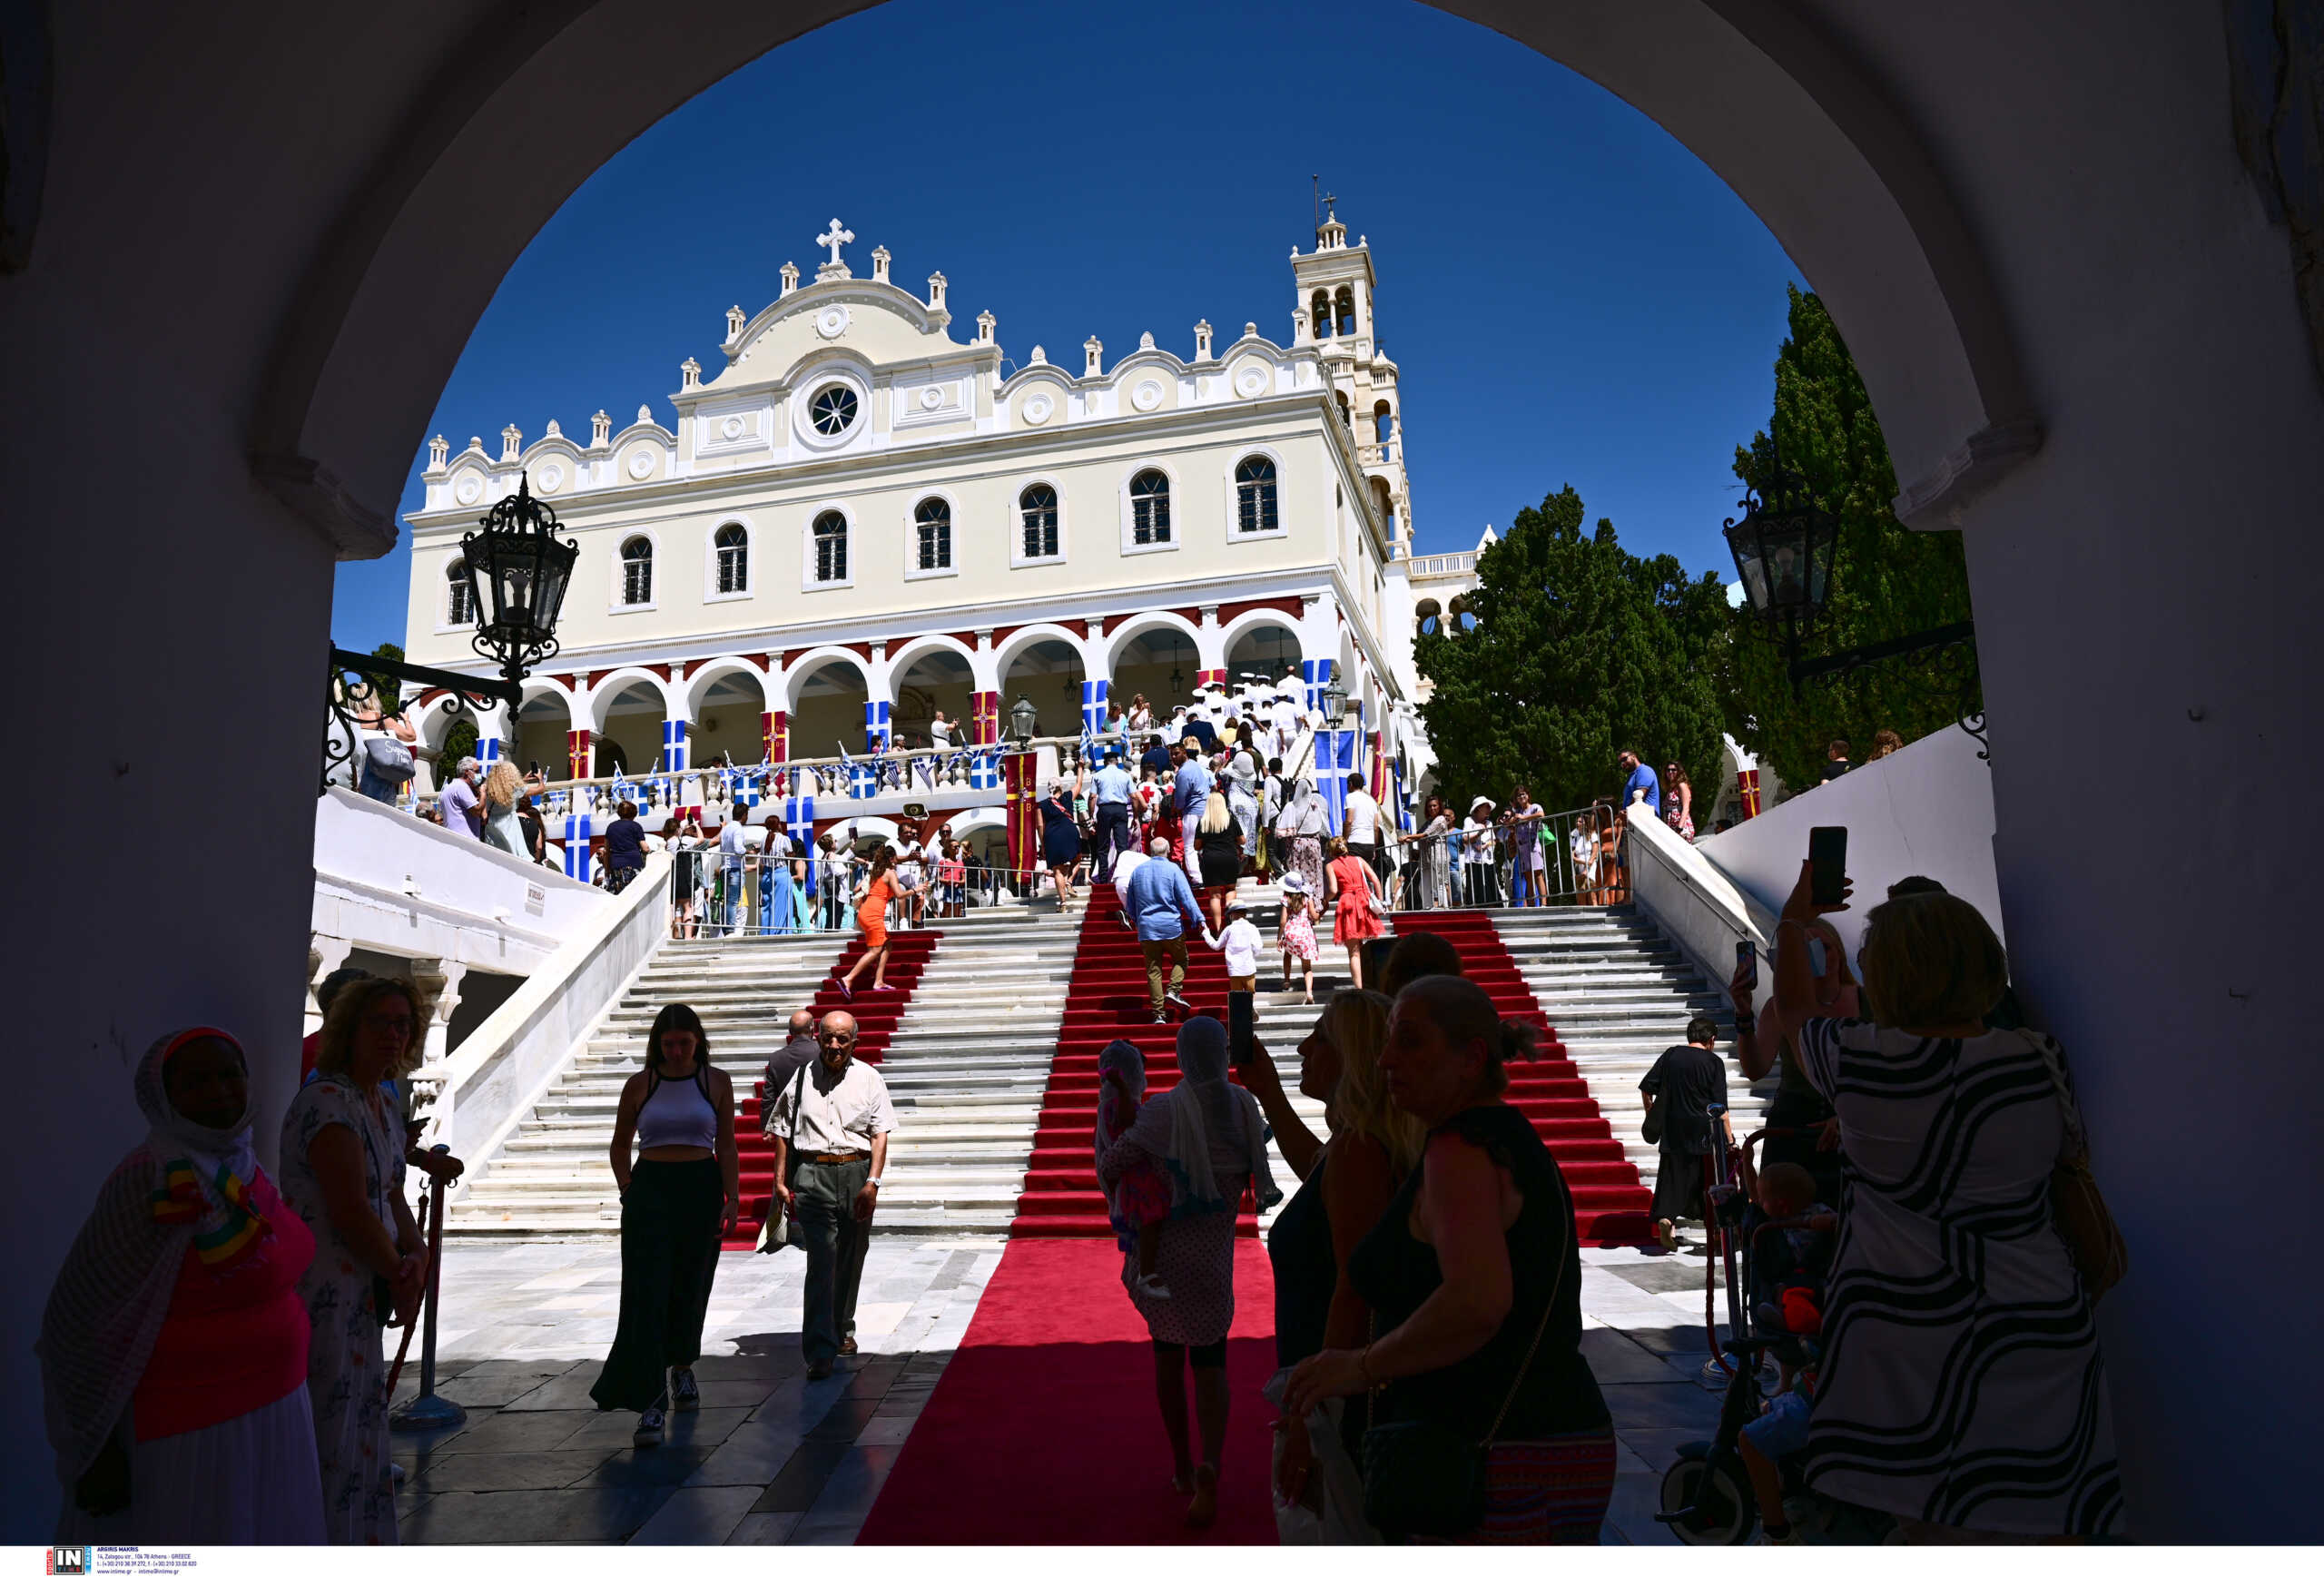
(860, 520)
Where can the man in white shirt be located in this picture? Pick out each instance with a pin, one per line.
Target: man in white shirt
(1361, 825)
(836, 1120)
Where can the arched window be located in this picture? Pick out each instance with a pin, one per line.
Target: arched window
(1039, 505)
(932, 525)
(1150, 507)
(1428, 619)
(1348, 311)
(830, 546)
(636, 571)
(1255, 501)
(1384, 504)
(459, 603)
(1347, 417)
(1319, 313)
(1383, 423)
(733, 544)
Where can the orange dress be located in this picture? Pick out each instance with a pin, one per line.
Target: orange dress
(872, 911)
(1352, 918)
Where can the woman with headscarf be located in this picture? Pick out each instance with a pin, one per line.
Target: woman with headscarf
(342, 1157)
(174, 1349)
(1302, 823)
(1209, 1139)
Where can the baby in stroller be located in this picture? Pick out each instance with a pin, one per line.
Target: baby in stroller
(1792, 1241)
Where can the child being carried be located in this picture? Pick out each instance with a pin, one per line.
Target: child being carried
(1139, 1200)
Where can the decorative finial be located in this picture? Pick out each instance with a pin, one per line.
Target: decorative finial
(601, 431)
(1039, 358)
(986, 323)
(439, 451)
(790, 278)
(1202, 340)
(1250, 331)
(476, 445)
(690, 372)
(836, 237)
(936, 283)
(1091, 350)
(1146, 340)
(644, 415)
(734, 322)
(880, 257)
(511, 441)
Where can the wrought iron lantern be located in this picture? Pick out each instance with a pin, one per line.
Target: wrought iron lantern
(1784, 547)
(1024, 720)
(1335, 701)
(518, 570)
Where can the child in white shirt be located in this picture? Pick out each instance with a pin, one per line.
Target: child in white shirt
(1240, 942)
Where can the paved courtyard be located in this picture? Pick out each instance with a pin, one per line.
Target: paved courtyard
(772, 1458)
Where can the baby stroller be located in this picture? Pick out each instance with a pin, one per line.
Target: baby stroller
(1706, 1495)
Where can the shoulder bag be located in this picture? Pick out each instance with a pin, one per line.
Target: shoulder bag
(774, 1232)
(2093, 1241)
(1423, 1476)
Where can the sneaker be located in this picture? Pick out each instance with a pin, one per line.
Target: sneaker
(1153, 1286)
(685, 1397)
(649, 1429)
(1179, 1002)
(1161, 1018)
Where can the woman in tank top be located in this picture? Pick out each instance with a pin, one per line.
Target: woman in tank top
(680, 1113)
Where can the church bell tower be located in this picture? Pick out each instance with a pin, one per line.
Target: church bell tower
(1332, 310)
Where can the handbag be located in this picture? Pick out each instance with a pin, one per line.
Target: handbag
(2093, 1241)
(1650, 1130)
(389, 758)
(1423, 1476)
(774, 1232)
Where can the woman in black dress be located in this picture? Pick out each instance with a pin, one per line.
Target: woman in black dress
(1474, 1272)
(1060, 839)
(1219, 849)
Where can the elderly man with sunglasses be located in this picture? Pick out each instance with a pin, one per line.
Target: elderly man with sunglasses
(836, 1115)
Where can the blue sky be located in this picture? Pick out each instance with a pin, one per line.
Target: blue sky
(1570, 295)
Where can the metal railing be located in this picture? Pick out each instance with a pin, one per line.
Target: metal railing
(715, 893)
(1566, 857)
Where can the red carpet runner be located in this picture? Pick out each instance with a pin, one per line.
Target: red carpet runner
(1044, 1428)
(1610, 1203)
(1105, 1001)
(877, 1014)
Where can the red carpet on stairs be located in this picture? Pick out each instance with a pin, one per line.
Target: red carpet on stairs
(1044, 1428)
(877, 1014)
(1609, 1204)
(1104, 1001)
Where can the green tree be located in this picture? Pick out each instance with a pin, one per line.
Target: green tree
(1579, 649)
(1887, 581)
(389, 691)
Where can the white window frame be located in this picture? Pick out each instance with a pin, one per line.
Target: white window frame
(911, 536)
(752, 565)
(1131, 547)
(1235, 532)
(621, 537)
(807, 581)
(444, 624)
(803, 420)
(1018, 558)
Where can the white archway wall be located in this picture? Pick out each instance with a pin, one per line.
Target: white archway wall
(729, 704)
(1047, 663)
(544, 728)
(930, 675)
(826, 690)
(2154, 299)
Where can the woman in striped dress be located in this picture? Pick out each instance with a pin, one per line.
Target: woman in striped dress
(1962, 1389)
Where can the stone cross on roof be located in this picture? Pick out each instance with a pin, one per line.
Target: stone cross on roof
(835, 238)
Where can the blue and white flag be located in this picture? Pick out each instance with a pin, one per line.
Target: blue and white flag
(799, 821)
(1335, 759)
(1094, 692)
(577, 847)
(749, 788)
(984, 770)
(877, 731)
(1317, 673)
(487, 747)
(673, 746)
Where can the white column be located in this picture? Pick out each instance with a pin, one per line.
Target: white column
(324, 954)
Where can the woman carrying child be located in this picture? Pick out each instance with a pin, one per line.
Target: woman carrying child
(1138, 1201)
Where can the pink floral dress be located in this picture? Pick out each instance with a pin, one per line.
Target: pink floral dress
(1296, 936)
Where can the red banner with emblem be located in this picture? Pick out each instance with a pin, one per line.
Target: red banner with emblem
(1747, 781)
(776, 728)
(1020, 777)
(984, 717)
(576, 751)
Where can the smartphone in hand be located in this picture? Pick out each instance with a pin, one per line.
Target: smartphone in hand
(1747, 964)
(1828, 861)
(1241, 1021)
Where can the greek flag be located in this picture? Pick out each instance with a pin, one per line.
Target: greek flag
(1335, 759)
(748, 788)
(1404, 801)
(876, 728)
(1317, 673)
(1093, 707)
(799, 821)
(984, 770)
(673, 746)
(487, 747)
(577, 847)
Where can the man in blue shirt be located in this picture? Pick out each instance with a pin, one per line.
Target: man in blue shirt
(1113, 785)
(1641, 784)
(1159, 894)
(1157, 758)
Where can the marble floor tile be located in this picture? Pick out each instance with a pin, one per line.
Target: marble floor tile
(507, 1470)
(764, 1528)
(703, 1515)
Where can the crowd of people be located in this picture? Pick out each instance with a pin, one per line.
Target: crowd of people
(1928, 1305)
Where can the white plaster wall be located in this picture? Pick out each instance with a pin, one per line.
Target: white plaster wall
(395, 882)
